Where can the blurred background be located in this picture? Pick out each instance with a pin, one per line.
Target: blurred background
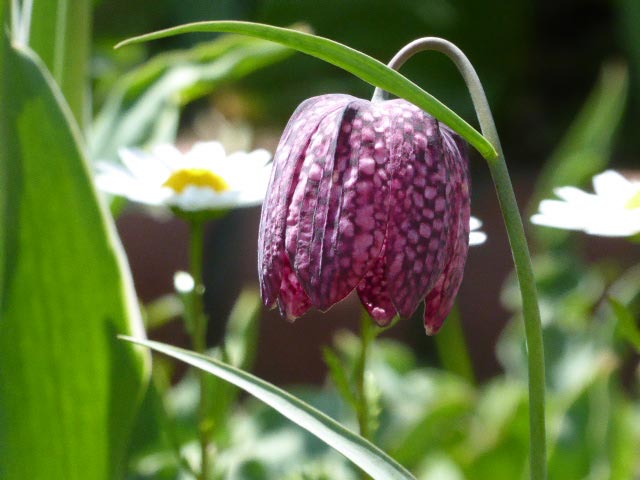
(562, 76)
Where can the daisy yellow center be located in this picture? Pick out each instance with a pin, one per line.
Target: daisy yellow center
(634, 202)
(196, 177)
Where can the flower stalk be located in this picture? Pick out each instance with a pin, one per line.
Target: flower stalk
(364, 415)
(199, 338)
(517, 240)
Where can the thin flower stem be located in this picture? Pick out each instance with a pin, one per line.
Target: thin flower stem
(199, 338)
(366, 337)
(517, 240)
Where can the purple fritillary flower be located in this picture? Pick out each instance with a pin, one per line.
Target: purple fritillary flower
(366, 196)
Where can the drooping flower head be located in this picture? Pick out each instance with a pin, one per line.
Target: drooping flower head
(372, 196)
(613, 210)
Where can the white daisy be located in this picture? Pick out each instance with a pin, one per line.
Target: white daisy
(612, 211)
(204, 178)
(476, 237)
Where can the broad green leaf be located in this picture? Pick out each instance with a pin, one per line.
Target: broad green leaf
(68, 388)
(144, 106)
(61, 36)
(626, 323)
(361, 65)
(367, 456)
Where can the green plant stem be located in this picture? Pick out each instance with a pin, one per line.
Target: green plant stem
(366, 337)
(517, 240)
(199, 338)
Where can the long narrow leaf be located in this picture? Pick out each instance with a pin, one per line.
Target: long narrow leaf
(361, 65)
(361, 452)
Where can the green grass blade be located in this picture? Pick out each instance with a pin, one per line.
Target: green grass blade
(68, 388)
(367, 456)
(359, 64)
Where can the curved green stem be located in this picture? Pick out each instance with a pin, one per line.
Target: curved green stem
(517, 240)
(199, 338)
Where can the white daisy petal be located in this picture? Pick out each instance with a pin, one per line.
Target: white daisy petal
(169, 155)
(605, 212)
(143, 166)
(613, 185)
(474, 223)
(204, 178)
(207, 155)
(194, 199)
(477, 238)
(575, 196)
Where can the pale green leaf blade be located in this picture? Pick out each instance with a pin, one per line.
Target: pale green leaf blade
(68, 388)
(359, 64)
(367, 456)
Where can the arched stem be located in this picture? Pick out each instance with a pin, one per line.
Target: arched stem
(517, 240)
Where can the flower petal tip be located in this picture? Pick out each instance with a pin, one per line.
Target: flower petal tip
(431, 330)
